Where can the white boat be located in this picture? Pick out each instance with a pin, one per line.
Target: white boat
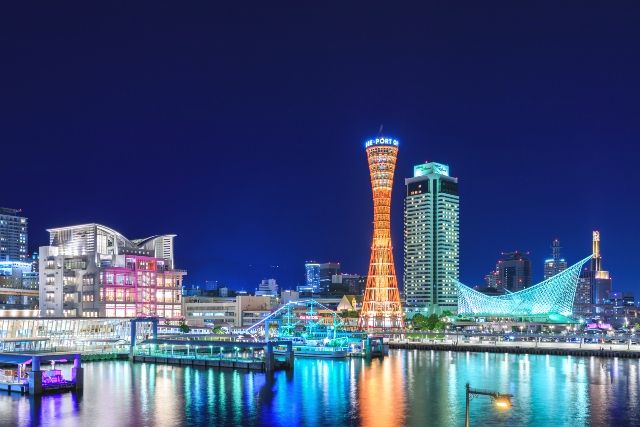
(315, 351)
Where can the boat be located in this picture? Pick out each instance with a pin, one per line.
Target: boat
(315, 351)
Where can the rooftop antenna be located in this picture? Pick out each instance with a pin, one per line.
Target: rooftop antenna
(380, 131)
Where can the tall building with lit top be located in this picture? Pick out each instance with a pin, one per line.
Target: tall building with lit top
(594, 285)
(14, 239)
(381, 307)
(556, 264)
(431, 240)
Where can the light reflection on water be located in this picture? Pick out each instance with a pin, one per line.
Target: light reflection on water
(408, 388)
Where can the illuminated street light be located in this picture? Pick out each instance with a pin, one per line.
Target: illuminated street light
(502, 401)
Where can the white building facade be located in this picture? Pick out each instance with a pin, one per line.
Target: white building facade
(91, 270)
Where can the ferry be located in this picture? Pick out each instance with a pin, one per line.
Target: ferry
(321, 351)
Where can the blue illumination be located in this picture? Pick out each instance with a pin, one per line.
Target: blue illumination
(382, 141)
(554, 296)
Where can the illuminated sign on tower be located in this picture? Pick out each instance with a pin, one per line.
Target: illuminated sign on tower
(381, 307)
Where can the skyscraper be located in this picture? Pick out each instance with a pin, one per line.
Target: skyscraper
(327, 271)
(594, 285)
(14, 243)
(556, 264)
(381, 308)
(431, 240)
(514, 271)
(601, 284)
(312, 273)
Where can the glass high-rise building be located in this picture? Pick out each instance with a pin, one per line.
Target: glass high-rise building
(13, 235)
(312, 273)
(431, 240)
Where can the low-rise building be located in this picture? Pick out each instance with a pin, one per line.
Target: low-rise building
(240, 311)
(18, 289)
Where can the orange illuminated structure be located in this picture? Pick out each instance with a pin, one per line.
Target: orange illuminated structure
(381, 309)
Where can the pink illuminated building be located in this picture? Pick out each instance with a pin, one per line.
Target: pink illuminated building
(144, 286)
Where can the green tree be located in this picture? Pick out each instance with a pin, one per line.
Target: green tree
(419, 322)
(183, 327)
(431, 322)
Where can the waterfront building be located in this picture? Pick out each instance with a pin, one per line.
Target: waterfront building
(232, 312)
(267, 287)
(548, 301)
(67, 334)
(209, 311)
(513, 271)
(14, 235)
(94, 271)
(381, 308)
(312, 273)
(431, 240)
(556, 264)
(18, 289)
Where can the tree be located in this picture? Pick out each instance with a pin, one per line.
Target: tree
(432, 321)
(183, 327)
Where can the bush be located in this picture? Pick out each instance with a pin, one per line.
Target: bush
(183, 327)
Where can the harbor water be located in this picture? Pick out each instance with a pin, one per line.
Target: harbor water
(409, 387)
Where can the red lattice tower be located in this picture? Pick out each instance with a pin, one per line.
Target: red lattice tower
(381, 308)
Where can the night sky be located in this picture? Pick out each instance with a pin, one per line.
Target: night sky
(240, 128)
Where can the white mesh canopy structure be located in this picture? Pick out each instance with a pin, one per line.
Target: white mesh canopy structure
(553, 296)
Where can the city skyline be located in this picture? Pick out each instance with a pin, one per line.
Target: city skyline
(290, 186)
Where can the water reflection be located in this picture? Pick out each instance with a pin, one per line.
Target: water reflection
(377, 382)
(407, 388)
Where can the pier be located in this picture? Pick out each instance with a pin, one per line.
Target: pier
(220, 354)
(37, 381)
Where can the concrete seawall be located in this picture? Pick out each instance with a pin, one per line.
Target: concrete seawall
(476, 348)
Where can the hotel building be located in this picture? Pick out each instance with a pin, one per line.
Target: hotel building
(431, 240)
(94, 271)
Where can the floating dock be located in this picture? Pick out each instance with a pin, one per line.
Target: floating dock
(37, 381)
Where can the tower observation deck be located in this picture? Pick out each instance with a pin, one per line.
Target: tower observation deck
(381, 308)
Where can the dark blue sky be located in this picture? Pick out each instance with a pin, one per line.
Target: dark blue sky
(241, 129)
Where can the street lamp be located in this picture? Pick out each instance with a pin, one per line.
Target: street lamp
(502, 401)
